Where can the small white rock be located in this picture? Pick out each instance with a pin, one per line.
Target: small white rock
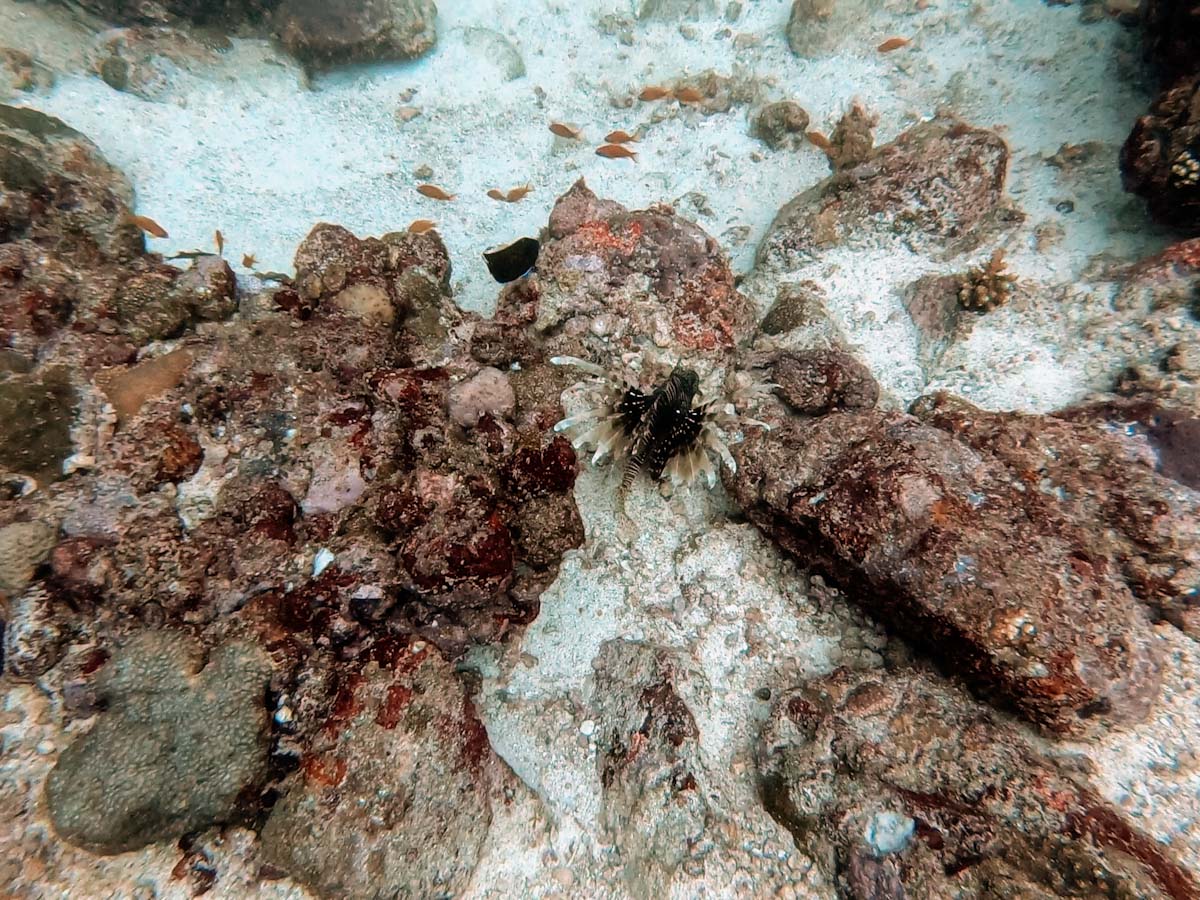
(587, 727)
(321, 561)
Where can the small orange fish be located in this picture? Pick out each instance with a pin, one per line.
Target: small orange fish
(518, 193)
(147, 225)
(248, 260)
(497, 194)
(615, 151)
(432, 190)
(654, 92)
(688, 95)
(819, 140)
(893, 43)
(219, 240)
(619, 137)
(420, 226)
(566, 131)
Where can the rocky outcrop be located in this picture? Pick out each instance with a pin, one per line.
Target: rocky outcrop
(1160, 160)
(616, 274)
(399, 799)
(815, 382)
(816, 27)
(1161, 157)
(1138, 513)
(933, 188)
(919, 515)
(906, 788)
(320, 35)
(648, 762)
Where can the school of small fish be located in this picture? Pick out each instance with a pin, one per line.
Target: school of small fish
(613, 147)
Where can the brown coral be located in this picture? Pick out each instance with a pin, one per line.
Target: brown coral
(987, 287)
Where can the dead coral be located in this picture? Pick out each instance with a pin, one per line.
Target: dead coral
(853, 138)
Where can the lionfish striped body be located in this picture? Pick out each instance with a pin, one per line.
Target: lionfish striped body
(669, 431)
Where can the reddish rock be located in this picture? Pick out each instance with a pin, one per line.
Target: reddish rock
(1091, 461)
(64, 243)
(594, 271)
(920, 526)
(934, 186)
(398, 800)
(452, 539)
(814, 382)
(932, 301)
(531, 472)
(1160, 160)
(905, 787)
(179, 458)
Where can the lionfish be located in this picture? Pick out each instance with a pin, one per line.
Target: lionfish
(671, 430)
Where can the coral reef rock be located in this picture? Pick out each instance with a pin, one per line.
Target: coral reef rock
(906, 788)
(37, 413)
(917, 517)
(674, 10)
(669, 815)
(609, 274)
(654, 806)
(933, 303)
(323, 34)
(1171, 37)
(934, 186)
(219, 13)
(175, 749)
(814, 382)
(141, 60)
(399, 801)
(1161, 157)
(23, 546)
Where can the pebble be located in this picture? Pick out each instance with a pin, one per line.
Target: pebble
(321, 561)
(587, 727)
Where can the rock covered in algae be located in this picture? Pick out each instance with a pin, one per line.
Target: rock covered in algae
(617, 273)
(323, 34)
(399, 801)
(177, 745)
(1160, 160)
(37, 412)
(905, 787)
(921, 525)
(932, 187)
